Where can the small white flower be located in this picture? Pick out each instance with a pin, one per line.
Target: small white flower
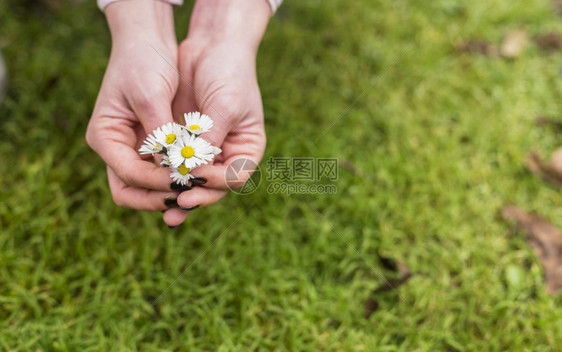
(182, 147)
(151, 146)
(216, 150)
(165, 161)
(191, 151)
(181, 174)
(168, 134)
(197, 123)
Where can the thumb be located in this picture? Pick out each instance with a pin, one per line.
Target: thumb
(153, 110)
(225, 120)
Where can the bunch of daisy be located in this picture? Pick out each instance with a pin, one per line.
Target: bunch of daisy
(182, 147)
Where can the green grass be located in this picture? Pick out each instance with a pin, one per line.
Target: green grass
(439, 138)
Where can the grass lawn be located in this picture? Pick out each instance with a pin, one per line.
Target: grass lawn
(438, 138)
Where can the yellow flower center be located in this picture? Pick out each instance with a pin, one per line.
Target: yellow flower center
(187, 152)
(194, 127)
(183, 170)
(171, 138)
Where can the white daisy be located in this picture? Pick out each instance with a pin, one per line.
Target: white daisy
(197, 123)
(191, 151)
(151, 146)
(216, 150)
(168, 134)
(181, 174)
(165, 161)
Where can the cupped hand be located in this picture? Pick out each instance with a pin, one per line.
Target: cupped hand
(220, 80)
(135, 98)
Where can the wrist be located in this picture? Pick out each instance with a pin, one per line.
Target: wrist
(130, 21)
(236, 21)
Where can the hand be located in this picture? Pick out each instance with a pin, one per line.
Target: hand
(135, 98)
(218, 78)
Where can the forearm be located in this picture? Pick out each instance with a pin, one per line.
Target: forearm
(237, 21)
(150, 20)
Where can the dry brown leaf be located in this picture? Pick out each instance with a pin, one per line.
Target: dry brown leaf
(549, 171)
(549, 122)
(393, 284)
(549, 41)
(557, 5)
(556, 162)
(546, 241)
(477, 47)
(52, 4)
(513, 44)
(371, 304)
(348, 165)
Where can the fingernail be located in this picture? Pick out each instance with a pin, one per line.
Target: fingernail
(171, 202)
(179, 187)
(174, 227)
(189, 208)
(199, 181)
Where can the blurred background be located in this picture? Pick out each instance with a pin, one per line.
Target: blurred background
(430, 109)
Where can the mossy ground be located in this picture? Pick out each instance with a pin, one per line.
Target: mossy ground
(438, 138)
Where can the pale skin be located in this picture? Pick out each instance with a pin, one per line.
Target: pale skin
(150, 81)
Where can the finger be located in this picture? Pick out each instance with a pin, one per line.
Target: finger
(184, 102)
(233, 170)
(190, 201)
(136, 198)
(175, 216)
(153, 109)
(226, 177)
(200, 197)
(111, 140)
(224, 122)
(137, 172)
(240, 135)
